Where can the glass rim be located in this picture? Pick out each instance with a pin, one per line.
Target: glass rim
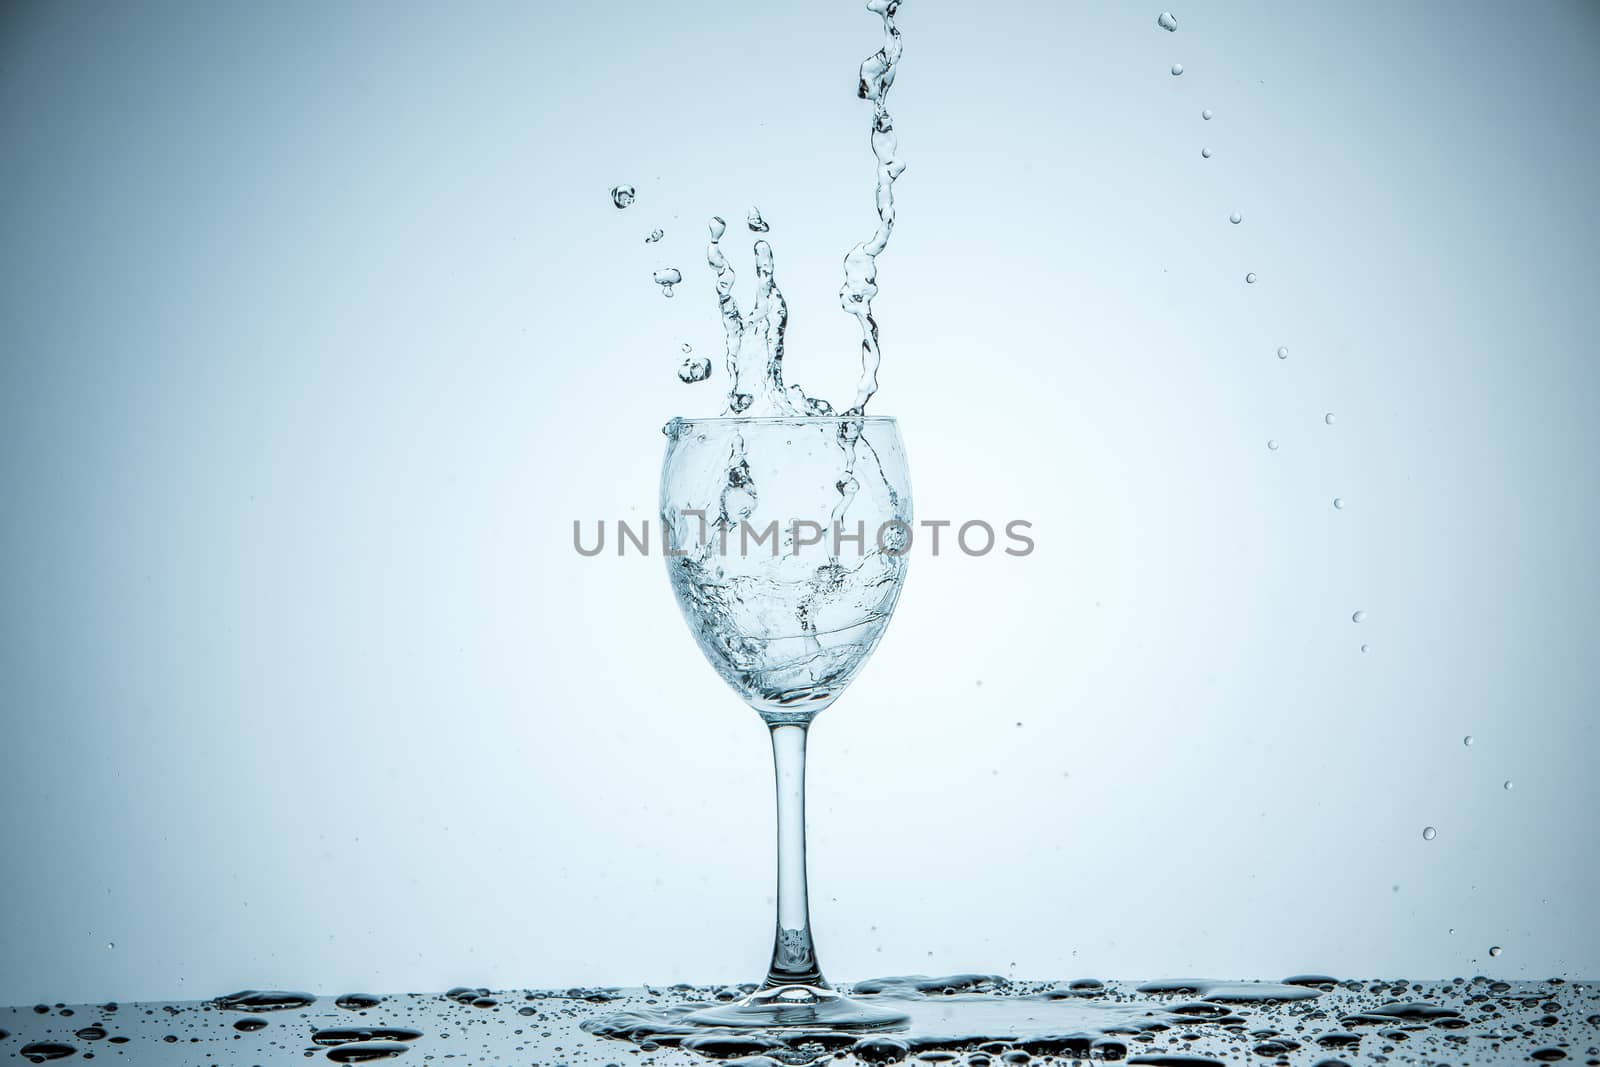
(791, 420)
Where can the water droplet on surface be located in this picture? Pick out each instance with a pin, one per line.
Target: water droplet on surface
(1206, 114)
(41, 1051)
(1429, 833)
(1250, 279)
(1338, 503)
(621, 195)
(1359, 616)
(1467, 741)
(653, 236)
(250, 1025)
(754, 220)
(1236, 218)
(1167, 21)
(695, 369)
(1495, 950)
(1205, 153)
(1283, 353)
(358, 1001)
(1177, 69)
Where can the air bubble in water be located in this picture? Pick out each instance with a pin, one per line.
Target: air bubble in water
(1273, 445)
(1206, 114)
(1283, 353)
(1250, 279)
(1205, 153)
(1177, 69)
(754, 220)
(1167, 21)
(1359, 616)
(1338, 503)
(1236, 218)
(1495, 950)
(621, 195)
(695, 369)
(654, 236)
(1467, 741)
(1328, 418)
(1429, 833)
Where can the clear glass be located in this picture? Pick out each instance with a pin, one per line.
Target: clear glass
(786, 541)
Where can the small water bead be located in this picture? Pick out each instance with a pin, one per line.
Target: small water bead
(1236, 218)
(1467, 741)
(1495, 950)
(667, 277)
(1359, 616)
(1272, 445)
(1205, 153)
(1283, 353)
(1508, 786)
(695, 369)
(754, 220)
(654, 236)
(1167, 21)
(1365, 648)
(1328, 418)
(1206, 114)
(1250, 279)
(1338, 503)
(1429, 833)
(1177, 69)
(687, 347)
(621, 195)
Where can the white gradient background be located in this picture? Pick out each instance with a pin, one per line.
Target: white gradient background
(317, 330)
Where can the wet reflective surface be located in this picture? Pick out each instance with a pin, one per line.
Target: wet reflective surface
(969, 1020)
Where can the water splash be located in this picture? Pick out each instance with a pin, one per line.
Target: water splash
(754, 220)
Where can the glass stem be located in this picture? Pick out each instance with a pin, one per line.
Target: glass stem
(794, 956)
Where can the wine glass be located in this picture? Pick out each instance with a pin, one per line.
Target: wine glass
(786, 540)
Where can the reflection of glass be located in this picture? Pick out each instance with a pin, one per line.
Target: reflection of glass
(786, 542)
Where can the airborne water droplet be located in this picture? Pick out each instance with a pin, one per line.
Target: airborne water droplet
(754, 220)
(695, 369)
(1236, 218)
(1205, 153)
(1273, 445)
(1364, 648)
(1283, 353)
(654, 236)
(687, 347)
(1467, 741)
(1167, 21)
(1359, 616)
(668, 276)
(1206, 114)
(1429, 833)
(1328, 418)
(1495, 950)
(1177, 69)
(1250, 279)
(621, 195)
(1509, 785)
(1338, 503)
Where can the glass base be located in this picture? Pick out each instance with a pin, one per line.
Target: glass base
(800, 1005)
